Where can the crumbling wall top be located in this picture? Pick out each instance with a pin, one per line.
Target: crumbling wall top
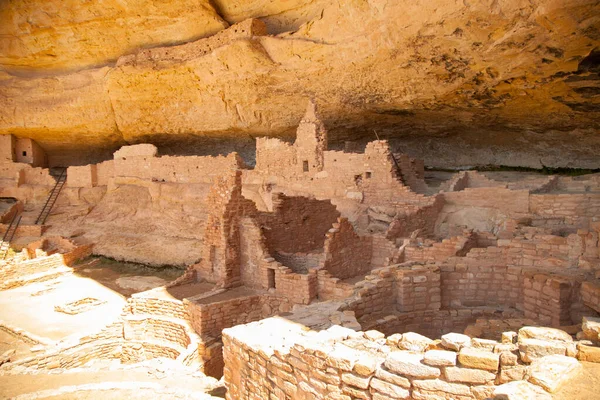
(136, 150)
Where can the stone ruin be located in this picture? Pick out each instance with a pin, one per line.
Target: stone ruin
(321, 274)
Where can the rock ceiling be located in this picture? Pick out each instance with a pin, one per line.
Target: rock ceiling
(508, 75)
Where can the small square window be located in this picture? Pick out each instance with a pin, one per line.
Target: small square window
(305, 166)
(368, 175)
(24, 154)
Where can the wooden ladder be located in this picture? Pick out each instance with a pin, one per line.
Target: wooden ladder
(52, 198)
(8, 236)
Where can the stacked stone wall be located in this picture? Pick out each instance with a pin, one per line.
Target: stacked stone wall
(343, 364)
(346, 254)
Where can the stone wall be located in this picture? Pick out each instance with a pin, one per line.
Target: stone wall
(508, 201)
(440, 251)
(470, 284)
(575, 209)
(297, 224)
(346, 254)
(275, 358)
(210, 315)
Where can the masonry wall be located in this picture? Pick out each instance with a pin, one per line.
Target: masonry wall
(576, 209)
(297, 224)
(504, 200)
(210, 318)
(252, 254)
(411, 218)
(440, 251)
(346, 254)
(547, 298)
(192, 169)
(342, 364)
(28, 151)
(468, 283)
(418, 288)
(82, 176)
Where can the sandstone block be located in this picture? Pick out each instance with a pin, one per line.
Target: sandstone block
(520, 390)
(591, 328)
(468, 375)
(440, 358)
(543, 333)
(414, 341)
(508, 358)
(455, 341)
(483, 343)
(356, 381)
(389, 389)
(410, 364)
(479, 359)
(392, 378)
(550, 372)
(373, 335)
(588, 353)
(532, 349)
(366, 365)
(394, 339)
(512, 373)
(438, 385)
(509, 337)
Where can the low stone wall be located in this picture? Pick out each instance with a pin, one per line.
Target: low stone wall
(210, 318)
(472, 285)
(509, 202)
(575, 209)
(346, 254)
(590, 293)
(276, 358)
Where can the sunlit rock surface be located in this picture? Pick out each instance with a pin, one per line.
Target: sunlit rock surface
(455, 83)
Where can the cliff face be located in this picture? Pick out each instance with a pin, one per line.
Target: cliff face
(453, 82)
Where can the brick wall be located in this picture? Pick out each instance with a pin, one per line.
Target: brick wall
(297, 224)
(504, 200)
(210, 317)
(346, 254)
(278, 359)
(467, 283)
(577, 210)
(418, 288)
(440, 251)
(547, 298)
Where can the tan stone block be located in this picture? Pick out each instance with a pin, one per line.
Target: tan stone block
(392, 378)
(389, 389)
(366, 365)
(588, 353)
(440, 358)
(543, 333)
(373, 335)
(513, 373)
(520, 390)
(550, 372)
(508, 358)
(477, 358)
(468, 375)
(438, 385)
(591, 328)
(413, 341)
(455, 341)
(410, 364)
(356, 381)
(532, 349)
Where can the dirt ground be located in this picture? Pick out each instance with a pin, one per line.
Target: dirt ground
(584, 386)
